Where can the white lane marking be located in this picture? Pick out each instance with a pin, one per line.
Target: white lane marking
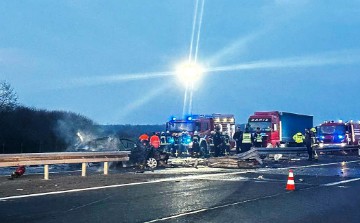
(88, 204)
(214, 208)
(316, 165)
(340, 182)
(111, 186)
(164, 180)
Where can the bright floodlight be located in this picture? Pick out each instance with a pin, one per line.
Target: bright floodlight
(189, 73)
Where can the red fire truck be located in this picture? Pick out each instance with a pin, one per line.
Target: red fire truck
(338, 133)
(204, 125)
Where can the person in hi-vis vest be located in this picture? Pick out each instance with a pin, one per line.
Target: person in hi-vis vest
(258, 138)
(246, 140)
(299, 139)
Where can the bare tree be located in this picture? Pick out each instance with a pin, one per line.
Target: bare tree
(8, 97)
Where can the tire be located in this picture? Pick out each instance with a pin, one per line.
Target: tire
(152, 163)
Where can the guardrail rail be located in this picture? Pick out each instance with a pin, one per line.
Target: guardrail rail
(46, 159)
(255, 153)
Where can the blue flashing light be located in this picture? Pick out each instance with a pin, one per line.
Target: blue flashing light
(189, 118)
(173, 118)
(322, 137)
(171, 140)
(340, 136)
(186, 140)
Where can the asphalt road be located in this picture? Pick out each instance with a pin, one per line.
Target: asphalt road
(325, 192)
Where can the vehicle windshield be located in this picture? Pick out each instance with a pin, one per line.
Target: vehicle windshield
(332, 130)
(180, 126)
(264, 126)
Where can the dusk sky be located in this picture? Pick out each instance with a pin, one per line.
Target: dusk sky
(113, 61)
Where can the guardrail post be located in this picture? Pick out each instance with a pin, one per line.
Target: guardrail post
(83, 170)
(46, 172)
(359, 151)
(106, 168)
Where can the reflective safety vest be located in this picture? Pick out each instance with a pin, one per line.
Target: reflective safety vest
(246, 138)
(298, 137)
(258, 138)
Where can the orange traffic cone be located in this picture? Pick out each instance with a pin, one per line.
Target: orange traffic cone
(290, 183)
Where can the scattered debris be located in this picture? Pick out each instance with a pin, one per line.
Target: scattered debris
(277, 157)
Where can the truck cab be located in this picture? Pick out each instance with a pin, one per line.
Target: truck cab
(268, 125)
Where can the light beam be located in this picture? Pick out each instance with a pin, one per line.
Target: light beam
(334, 58)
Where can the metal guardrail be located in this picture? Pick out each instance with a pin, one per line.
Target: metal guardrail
(255, 153)
(8, 160)
(296, 150)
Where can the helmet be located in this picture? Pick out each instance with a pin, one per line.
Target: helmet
(217, 128)
(196, 132)
(313, 129)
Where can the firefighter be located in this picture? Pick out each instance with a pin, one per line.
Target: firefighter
(169, 141)
(299, 139)
(143, 137)
(20, 170)
(217, 139)
(238, 137)
(155, 141)
(195, 144)
(225, 148)
(176, 143)
(308, 142)
(257, 138)
(314, 143)
(313, 136)
(163, 142)
(246, 140)
(144, 140)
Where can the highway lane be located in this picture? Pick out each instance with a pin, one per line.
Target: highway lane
(256, 196)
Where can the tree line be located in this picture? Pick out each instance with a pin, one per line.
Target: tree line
(25, 130)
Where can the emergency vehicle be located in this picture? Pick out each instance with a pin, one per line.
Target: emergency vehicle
(184, 129)
(338, 133)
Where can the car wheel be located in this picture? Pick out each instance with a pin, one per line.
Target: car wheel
(152, 163)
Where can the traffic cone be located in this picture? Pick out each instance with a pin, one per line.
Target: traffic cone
(290, 183)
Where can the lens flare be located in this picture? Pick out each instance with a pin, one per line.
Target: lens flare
(189, 73)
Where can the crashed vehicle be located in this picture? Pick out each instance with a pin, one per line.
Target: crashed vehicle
(145, 155)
